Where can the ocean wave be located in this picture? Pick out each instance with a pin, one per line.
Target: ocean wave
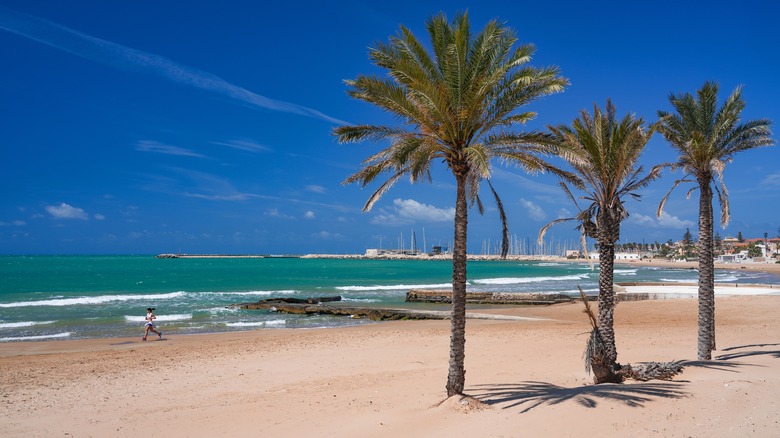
(257, 323)
(33, 338)
(625, 271)
(100, 299)
(577, 291)
(359, 300)
(679, 280)
(726, 277)
(163, 318)
(516, 280)
(263, 293)
(548, 264)
(223, 310)
(23, 324)
(394, 287)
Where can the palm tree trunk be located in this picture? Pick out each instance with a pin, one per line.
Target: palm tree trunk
(607, 299)
(601, 346)
(706, 342)
(456, 378)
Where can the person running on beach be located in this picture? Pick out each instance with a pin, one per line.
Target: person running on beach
(149, 327)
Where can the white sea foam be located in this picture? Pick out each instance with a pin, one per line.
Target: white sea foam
(726, 277)
(273, 322)
(625, 271)
(394, 287)
(517, 280)
(33, 338)
(359, 300)
(679, 280)
(222, 310)
(163, 318)
(257, 292)
(22, 324)
(577, 291)
(101, 299)
(549, 264)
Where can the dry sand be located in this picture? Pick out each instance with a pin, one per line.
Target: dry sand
(388, 379)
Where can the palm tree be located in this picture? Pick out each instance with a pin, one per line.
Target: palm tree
(456, 105)
(603, 152)
(706, 138)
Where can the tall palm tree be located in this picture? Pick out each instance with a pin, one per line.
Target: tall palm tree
(706, 138)
(604, 153)
(458, 105)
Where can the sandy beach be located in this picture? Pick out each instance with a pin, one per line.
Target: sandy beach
(388, 379)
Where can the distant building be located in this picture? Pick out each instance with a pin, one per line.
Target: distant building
(739, 257)
(619, 256)
(373, 252)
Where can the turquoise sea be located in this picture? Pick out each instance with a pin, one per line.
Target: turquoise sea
(77, 297)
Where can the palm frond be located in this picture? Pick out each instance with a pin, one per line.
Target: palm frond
(504, 222)
(381, 190)
(543, 231)
(352, 134)
(666, 196)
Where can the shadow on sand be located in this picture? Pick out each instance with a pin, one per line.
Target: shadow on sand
(748, 353)
(533, 394)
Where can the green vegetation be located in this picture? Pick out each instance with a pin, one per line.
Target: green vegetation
(753, 250)
(458, 105)
(459, 101)
(604, 153)
(706, 138)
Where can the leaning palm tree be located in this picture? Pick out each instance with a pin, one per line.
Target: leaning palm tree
(706, 138)
(604, 153)
(456, 104)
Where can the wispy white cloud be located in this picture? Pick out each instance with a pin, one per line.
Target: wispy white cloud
(528, 185)
(665, 221)
(66, 211)
(669, 221)
(99, 217)
(316, 189)
(17, 223)
(275, 213)
(161, 148)
(534, 211)
(243, 145)
(771, 180)
(407, 211)
(564, 213)
(123, 57)
(327, 235)
(309, 215)
(190, 183)
(412, 209)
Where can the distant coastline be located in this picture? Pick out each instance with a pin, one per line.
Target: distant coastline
(756, 267)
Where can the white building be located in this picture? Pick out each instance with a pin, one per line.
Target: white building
(630, 256)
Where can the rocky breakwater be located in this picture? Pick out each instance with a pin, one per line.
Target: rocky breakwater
(445, 296)
(333, 306)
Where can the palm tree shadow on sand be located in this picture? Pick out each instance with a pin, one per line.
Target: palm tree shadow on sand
(740, 351)
(533, 394)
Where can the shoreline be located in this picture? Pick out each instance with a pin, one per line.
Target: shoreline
(388, 379)
(772, 267)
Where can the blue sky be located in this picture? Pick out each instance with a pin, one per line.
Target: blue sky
(146, 127)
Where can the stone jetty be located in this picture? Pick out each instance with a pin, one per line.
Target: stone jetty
(331, 306)
(445, 296)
